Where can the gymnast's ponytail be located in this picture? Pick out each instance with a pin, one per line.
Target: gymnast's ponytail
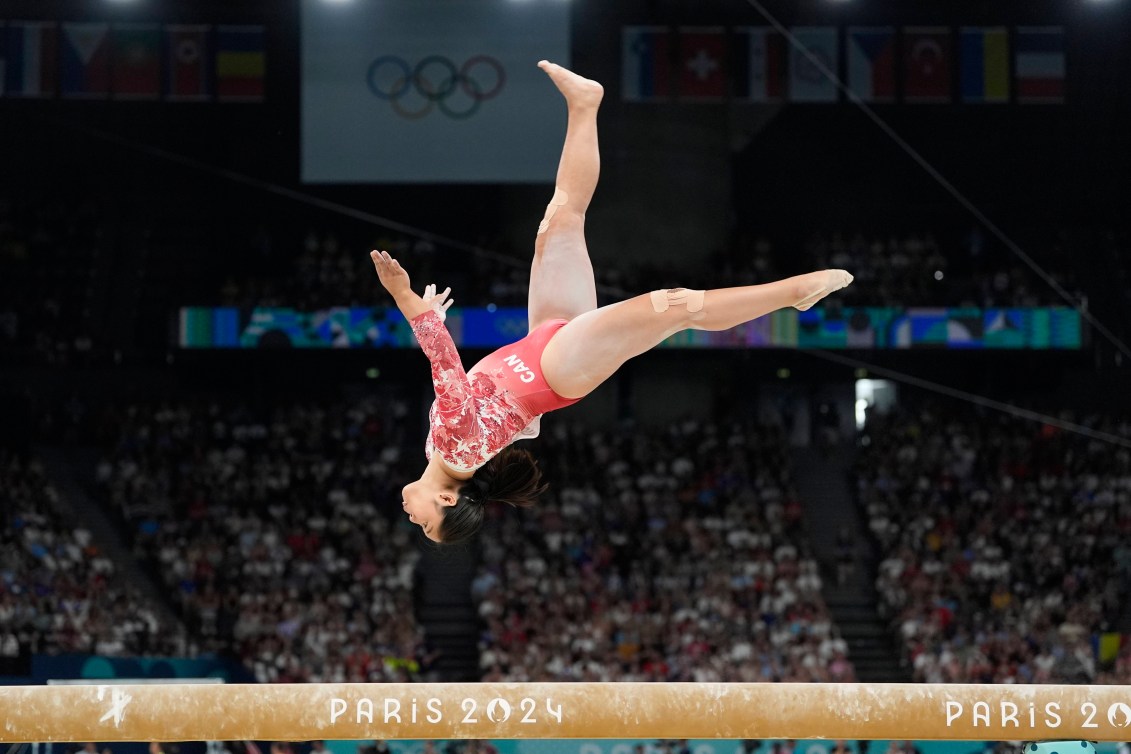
(511, 477)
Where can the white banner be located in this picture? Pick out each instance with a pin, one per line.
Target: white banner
(431, 91)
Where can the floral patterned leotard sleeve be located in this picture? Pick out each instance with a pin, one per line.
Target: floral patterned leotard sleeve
(469, 422)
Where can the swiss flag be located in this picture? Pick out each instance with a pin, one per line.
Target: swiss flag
(702, 57)
(928, 60)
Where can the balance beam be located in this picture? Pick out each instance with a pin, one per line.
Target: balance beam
(302, 712)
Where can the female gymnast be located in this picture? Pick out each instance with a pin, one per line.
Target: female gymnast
(572, 346)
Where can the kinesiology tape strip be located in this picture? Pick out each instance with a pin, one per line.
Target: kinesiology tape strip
(662, 300)
(560, 199)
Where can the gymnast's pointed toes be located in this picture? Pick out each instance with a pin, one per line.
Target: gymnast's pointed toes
(841, 279)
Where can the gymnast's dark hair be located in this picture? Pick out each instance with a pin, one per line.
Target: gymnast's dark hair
(511, 477)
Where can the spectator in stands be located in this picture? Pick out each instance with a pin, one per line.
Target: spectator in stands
(264, 530)
(58, 592)
(998, 538)
(660, 559)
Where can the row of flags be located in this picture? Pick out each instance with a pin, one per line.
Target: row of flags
(132, 61)
(878, 64)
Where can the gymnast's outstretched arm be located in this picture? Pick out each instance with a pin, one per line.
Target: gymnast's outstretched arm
(397, 283)
(455, 412)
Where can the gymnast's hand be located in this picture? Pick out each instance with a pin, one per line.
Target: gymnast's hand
(396, 282)
(392, 275)
(439, 303)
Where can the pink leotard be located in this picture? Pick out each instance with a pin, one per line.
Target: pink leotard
(478, 413)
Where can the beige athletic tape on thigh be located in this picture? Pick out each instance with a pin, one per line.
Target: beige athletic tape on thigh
(662, 300)
(559, 200)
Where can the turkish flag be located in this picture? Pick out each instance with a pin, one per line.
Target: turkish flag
(927, 64)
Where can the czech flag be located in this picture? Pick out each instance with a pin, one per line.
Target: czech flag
(86, 61)
(871, 63)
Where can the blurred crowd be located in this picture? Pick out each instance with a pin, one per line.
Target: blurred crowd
(1005, 554)
(658, 556)
(924, 268)
(58, 591)
(48, 250)
(266, 530)
(83, 280)
(670, 556)
(914, 269)
(325, 269)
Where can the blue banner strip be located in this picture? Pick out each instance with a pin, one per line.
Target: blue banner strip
(839, 327)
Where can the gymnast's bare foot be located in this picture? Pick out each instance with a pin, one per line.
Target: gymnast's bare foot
(578, 91)
(815, 286)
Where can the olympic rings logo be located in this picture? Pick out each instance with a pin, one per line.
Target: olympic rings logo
(433, 82)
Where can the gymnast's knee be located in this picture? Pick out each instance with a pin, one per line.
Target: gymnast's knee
(558, 207)
(668, 298)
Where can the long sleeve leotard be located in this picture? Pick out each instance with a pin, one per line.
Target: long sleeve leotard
(471, 419)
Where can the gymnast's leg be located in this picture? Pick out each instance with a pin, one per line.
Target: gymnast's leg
(561, 275)
(589, 349)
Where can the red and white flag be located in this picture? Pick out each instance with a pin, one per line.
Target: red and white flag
(928, 57)
(702, 63)
(188, 74)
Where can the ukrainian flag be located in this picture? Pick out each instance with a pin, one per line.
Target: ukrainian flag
(1107, 646)
(984, 63)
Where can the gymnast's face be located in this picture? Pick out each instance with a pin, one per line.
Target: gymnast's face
(424, 502)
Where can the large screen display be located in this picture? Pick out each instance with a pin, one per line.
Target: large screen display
(431, 91)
